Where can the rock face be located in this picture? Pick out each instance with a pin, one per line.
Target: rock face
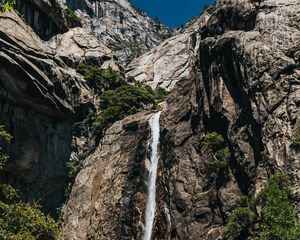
(240, 86)
(44, 104)
(127, 31)
(47, 18)
(234, 70)
(245, 86)
(112, 185)
(175, 54)
(171, 61)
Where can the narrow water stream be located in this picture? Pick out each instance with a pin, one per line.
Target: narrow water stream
(151, 203)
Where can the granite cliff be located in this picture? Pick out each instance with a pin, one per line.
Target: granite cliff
(234, 70)
(126, 30)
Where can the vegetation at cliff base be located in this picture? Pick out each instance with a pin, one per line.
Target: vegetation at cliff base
(277, 219)
(278, 216)
(20, 220)
(6, 4)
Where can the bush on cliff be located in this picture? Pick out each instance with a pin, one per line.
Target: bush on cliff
(123, 101)
(277, 220)
(72, 16)
(99, 79)
(241, 221)
(4, 137)
(278, 217)
(221, 152)
(6, 4)
(118, 96)
(161, 93)
(296, 141)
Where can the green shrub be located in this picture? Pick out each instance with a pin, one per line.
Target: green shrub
(278, 217)
(221, 163)
(106, 118)
(130, 79)
(4, 137)
(25, 221)
(278, 220)
(7, 4)
(72, 15)
(117, 97)
(244, 201)
(161, 94)
(221, 152)
(73, 168)
(118, 103)
(213, 140)
(127, 97)
(8, 194)
(241, 220)
(99, 79)
(296, 141)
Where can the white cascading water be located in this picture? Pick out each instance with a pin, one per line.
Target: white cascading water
(151, 203)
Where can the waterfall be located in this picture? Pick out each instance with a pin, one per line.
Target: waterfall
(151, 203)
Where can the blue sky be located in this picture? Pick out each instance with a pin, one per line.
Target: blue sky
(172, 13)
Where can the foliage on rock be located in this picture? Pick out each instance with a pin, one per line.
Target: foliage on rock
(26, 221)
(220, 150)
(99, 79)
(278, 216)
(4, 137)
(277, 219)
(241, 221)
(123, 101)
(118, 96)
(296, 141)
(6, 4)
(73, 17)
(161, 93)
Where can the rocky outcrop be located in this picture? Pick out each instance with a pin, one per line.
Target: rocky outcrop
(171, 61)
(47, 18)
(235, 70)
(44, 105)
(108, 198)
(77, 46)
(127, 31)
(246, 89)
(237, 84)
(168, 63)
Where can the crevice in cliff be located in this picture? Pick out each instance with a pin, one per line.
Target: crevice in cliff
(39, 21)
(220, 63)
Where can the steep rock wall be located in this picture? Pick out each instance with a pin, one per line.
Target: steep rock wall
(242, 83)
(44, 105)
(246, 89)
(127, 31)
(47, 18)
(108, 198)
